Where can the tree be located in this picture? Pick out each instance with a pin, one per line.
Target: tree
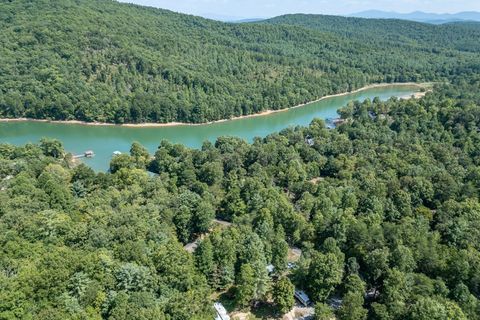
(182, 221)
(459, 222)
(245, 285)
(323, 312)
(84, 174)
(211, 173)
(377, 264)
(467, 301)
(324, 274)
(352, 266)
(54, 181)
(283, 295)
(52, 148)
(225, 257)
(262, 280)
(431, 309)
(233, 205)
(203, 216)
(132, 277)
(402, 259)
(122, 161)
(395, 291)
(353, 300)
(204, 258)
(279, 251)
(140, 155)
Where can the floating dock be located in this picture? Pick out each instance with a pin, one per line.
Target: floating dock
(86, 154)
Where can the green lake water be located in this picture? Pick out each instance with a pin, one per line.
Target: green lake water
(104, 140)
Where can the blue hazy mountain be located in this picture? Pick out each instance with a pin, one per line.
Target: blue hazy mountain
(227, 18)
(421, 16)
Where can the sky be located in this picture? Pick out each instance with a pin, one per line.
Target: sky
(270, 8)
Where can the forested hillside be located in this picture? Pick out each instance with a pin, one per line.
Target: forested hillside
(104, 61)
(386, 204)
(391, 33)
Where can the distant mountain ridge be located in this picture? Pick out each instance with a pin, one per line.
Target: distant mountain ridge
(234, 19)
(420, 16)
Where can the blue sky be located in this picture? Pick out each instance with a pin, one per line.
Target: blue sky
(269, 8)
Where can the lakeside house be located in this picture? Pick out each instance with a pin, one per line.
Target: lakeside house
(332, 123)
(310, 141)
(221, 312)
(302, 297)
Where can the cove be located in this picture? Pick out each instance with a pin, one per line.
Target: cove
(104, 140)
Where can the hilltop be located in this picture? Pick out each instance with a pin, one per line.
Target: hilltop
(384, 33)
(420, 16)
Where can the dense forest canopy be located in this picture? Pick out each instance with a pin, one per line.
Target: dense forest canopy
(391, 33)
(104, 61)
(376, 219)
(385, 209)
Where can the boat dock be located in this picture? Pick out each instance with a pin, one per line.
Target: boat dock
(86, 154)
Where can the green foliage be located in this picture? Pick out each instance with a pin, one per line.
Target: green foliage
(61, 60)
(52, 148)
(353, 300)
(323, 312)
(384, 209)
(204, 258)
(428, 308)
(140, 154)
(122, 161)
(324, 274)
(279, 251)
(283, 295)
(246, 285)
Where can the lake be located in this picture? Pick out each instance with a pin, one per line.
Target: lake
(104, 140)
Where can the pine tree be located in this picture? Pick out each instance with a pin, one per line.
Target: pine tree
(245, 285)
(283, 295)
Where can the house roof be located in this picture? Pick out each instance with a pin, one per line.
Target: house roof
(221, 311)
(302, 296)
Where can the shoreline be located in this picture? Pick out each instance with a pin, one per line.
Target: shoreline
(260, 114)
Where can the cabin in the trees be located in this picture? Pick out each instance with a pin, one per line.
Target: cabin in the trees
(335, 303)
(372, 294)
(221, 312)
(302, 297)
(270, 268)
(310, 141)
(332, 123)
(191, 247)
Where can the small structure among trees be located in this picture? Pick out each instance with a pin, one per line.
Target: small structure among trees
(310, 141)
(302, 297)
(221, 312)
